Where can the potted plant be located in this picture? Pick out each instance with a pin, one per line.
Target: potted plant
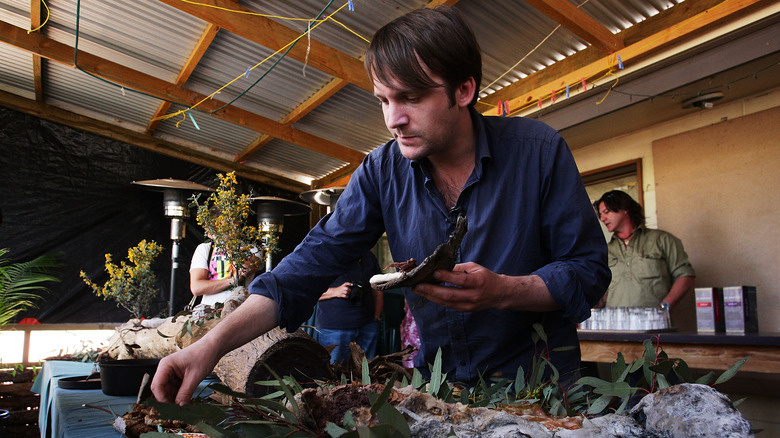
(131, 284)
(19, 283)
(224, 216)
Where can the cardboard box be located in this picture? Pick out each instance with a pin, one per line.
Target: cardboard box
(740, 309)
(709, 310)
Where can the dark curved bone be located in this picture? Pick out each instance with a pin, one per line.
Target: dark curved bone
(442, 258)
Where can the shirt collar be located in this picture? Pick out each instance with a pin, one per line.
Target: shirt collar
(482, 152)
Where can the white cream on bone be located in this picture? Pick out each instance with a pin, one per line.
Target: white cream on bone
(384, 278)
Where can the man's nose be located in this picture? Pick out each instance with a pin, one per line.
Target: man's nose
(395, 116)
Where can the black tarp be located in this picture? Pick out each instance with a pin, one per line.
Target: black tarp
(70, 192)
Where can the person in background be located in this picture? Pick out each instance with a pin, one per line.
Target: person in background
(649, 267)
(533, 254)
(211, 274)
(350, 311)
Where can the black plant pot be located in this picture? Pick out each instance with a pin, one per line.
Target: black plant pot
(124, 376)
(4, 413)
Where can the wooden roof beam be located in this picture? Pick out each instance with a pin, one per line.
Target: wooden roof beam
(580, 23)
(588, 64)
(275, 36)
(297, 114)
(35, 23)
(200, 48)
(135, 80)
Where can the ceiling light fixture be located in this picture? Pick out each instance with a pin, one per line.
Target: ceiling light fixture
(703, 100)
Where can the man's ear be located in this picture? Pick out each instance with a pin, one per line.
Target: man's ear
(464, 93)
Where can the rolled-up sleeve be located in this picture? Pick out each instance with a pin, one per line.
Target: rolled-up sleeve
(579, 274)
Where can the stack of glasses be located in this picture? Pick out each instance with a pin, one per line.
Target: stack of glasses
(627, 318)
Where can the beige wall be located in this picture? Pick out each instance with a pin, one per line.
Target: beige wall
(733, 126)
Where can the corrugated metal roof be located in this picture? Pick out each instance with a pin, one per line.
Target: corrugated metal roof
(156, 39)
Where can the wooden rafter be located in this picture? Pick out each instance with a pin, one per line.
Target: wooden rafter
(132, 79)
(35, 23)
(192, 61)
(580, 23)
(588, 64)
(297, 114)
(275, 36)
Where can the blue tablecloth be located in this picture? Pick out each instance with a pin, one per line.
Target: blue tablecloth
(63, 412)
(74, 413)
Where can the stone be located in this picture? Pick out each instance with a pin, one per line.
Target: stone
(691, 410)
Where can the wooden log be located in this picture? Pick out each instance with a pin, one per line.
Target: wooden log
(141, 339)
(296, 354)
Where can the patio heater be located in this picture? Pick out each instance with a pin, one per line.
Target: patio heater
(175, 207)
(327, 197)
(270, 217)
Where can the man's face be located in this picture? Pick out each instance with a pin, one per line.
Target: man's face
(421, 120)
(613, 220)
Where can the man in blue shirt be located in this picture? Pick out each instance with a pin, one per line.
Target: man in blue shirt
(350, 311)
(534, 251)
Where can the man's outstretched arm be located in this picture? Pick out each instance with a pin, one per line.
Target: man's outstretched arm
(179, 374)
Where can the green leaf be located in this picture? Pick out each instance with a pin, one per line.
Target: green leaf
(729, 373)
(683, 371)
(214, 431)
(663, 367)
(389, 415)
(192, 414)
(565, 348)
(366, 378)
(599, 404)
(287, 391)
(333, 430)
(591, 381)
(706, 379)
(436, 376)
(662, 382)
(540, 331)
(417, 379)
(649, 351)
(519, 380)
(618, 389)
(378, 400)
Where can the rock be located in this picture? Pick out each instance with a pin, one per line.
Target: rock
(607, 426)
(691, 410)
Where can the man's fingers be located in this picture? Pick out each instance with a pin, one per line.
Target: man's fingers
(186, 389)
(165, 385)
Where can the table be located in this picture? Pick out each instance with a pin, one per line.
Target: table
(63, 412)
(716, 351)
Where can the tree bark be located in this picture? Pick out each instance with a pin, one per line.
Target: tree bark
(296, 354)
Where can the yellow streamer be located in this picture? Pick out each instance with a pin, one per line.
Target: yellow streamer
(168, 116)
(48, 14)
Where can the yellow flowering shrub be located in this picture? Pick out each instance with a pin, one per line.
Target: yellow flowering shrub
(224, 216)
(131, 284)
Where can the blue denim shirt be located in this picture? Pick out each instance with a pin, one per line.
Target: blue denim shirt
(528, 213)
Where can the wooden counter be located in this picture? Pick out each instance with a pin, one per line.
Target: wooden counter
(704, 351)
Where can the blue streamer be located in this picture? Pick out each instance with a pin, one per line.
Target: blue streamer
(193, 120)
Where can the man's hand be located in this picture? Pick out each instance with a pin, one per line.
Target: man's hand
(477, 288)
(179, 374)
(337, 292)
